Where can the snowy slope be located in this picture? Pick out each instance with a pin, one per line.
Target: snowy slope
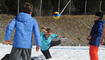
(60, 52)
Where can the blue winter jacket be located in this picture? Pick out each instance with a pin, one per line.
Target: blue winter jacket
(96, 33)
(24, 26)
(46, 42)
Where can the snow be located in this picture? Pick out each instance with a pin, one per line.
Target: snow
(60, 52)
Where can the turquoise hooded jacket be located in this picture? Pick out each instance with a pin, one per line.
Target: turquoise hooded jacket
(46, 42)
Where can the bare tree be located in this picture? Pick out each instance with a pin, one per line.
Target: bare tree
(58, 5)
(85, 6)
(18, 8)
(40, 7)
(70, 7)
(100, 6)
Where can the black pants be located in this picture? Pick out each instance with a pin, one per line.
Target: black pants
(55, 43)
(46, 53)
(20, 54)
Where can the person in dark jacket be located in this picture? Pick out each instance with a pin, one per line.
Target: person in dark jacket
(25, 25)
(95, 36)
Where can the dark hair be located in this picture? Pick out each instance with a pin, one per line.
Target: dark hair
(27, 7)
(48, 30)
(99, 14)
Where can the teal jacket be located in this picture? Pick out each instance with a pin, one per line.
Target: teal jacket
(47, 41)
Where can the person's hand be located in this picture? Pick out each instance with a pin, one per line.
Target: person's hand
(101, 43)
(53, 39)
(59, 36)
(89, 37)
(7, 41)
(37, 48)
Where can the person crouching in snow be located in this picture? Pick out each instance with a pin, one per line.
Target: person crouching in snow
(48, 41)
(95, 36)
(24, 26)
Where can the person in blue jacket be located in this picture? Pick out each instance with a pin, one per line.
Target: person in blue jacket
(25, 25)
(96, 36)
(48, 40)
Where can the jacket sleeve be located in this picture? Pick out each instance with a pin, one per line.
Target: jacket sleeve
(9, 29)
(55, 36)
(92, 30)
(37, 33)
(91, 33)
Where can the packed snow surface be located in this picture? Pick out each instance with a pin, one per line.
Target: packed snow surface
(60, 52)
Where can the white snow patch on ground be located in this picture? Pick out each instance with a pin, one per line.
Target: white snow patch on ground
(60, 52)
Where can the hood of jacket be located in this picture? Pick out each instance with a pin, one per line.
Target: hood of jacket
(23, 17)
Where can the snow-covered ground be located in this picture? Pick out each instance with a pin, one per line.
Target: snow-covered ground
(60, 52)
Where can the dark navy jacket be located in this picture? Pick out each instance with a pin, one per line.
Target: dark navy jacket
(96, 33)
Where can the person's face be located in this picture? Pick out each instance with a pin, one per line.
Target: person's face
(31, 13)
(96, 18)
(47, 34)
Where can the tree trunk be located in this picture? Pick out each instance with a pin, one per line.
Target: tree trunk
(85, 6)
(18, 7)
(40, 7)
(100, 6)
(70, 7)
(58, 5)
